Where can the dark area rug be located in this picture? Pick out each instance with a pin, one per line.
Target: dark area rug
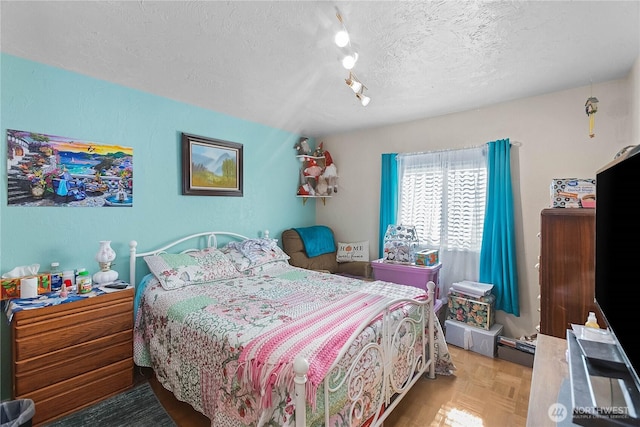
(137, 407)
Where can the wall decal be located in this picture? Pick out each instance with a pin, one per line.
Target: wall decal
(49, 170)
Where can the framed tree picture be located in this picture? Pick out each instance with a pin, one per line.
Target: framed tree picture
(211, 167)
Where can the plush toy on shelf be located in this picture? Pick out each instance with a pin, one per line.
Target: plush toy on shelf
(322, 189)
(306, 190)
(319, 152)
(302, 146)
(312, 169)
(330, 174)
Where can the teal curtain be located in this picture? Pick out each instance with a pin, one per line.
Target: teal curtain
(498, 252)
(388, 196)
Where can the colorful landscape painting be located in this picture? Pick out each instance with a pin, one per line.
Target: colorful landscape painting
(49, 170)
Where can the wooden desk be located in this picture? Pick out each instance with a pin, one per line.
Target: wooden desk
(550, 368)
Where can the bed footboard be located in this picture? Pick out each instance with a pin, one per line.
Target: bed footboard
(404, 338)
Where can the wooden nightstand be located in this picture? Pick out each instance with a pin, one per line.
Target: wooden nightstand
(72, 355)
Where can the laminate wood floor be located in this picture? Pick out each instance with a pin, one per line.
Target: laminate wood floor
(483, 392)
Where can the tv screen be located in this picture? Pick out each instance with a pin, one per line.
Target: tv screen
(617, 258)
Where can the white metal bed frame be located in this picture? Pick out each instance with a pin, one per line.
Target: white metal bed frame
(422, 362)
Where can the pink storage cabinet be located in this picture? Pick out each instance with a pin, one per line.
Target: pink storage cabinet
(407, 274)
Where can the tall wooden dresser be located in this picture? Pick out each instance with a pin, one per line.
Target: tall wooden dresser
(567, 271)
(69, 356)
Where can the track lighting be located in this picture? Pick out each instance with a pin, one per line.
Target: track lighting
(353, 83)
(364, 99)
(356, 85)
(342, 38)
(349, 60)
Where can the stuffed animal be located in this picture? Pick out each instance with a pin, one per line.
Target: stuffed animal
(302, 146)
(322, 189)
(319, 152)
(306, 190)
(330, 173)
(312, 169)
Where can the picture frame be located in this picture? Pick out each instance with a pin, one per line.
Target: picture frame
(211, 167)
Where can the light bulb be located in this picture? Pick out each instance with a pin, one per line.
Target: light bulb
(354, 84)
(349, 60)
(364, 99)
(342, 38)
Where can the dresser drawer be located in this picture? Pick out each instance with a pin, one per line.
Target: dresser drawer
(30, 323)
(69, 396)
(32, 374)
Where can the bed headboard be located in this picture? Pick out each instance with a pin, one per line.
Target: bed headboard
(191, 243)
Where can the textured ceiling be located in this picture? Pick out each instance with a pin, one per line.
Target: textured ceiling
(275, 63)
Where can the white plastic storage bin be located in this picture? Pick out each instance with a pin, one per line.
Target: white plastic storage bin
(471, 338)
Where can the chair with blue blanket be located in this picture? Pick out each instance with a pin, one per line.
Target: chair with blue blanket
(314, 248)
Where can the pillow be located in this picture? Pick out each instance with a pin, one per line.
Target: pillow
(178, 270)
(264, 268)
(252, 253)
(358, 251)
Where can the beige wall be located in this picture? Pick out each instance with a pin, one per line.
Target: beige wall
(552, 131)
(634, 83)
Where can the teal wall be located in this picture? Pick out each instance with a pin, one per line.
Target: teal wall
(48, 100)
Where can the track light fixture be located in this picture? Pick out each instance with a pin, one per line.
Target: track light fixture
(353, 82)
(364, 99)
(356, 85)
(343, 41)
(342, 37)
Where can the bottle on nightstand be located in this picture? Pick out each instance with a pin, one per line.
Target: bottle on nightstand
(56, 276)
(592, 321)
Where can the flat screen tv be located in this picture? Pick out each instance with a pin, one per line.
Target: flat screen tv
(617, 257)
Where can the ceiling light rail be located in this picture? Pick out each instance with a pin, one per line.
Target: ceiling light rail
(349, 59)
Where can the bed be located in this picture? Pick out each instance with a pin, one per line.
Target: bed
(230, 327)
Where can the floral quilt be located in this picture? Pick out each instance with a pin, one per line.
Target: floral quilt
(193, 338)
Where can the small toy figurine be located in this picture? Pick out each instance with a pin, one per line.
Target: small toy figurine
(319, 152)
(302, 146)
(63, 291)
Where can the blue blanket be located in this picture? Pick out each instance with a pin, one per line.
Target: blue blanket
(317, 240)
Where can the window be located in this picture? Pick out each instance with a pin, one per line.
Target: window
(443, 194)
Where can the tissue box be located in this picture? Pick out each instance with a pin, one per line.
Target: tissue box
(573, 193)
(474, 311)
(427, 258)
(10, 288)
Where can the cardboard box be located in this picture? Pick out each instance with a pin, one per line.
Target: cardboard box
(427, 258)
(515, 355)
(474, 311)
(10, 288)
(573, 193)
(474, 339)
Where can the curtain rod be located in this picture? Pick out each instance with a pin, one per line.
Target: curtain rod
(515, 143)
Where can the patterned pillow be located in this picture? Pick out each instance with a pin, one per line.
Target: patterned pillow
(253, 253)
(178, 270)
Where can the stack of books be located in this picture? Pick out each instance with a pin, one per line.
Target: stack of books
(473, 289)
